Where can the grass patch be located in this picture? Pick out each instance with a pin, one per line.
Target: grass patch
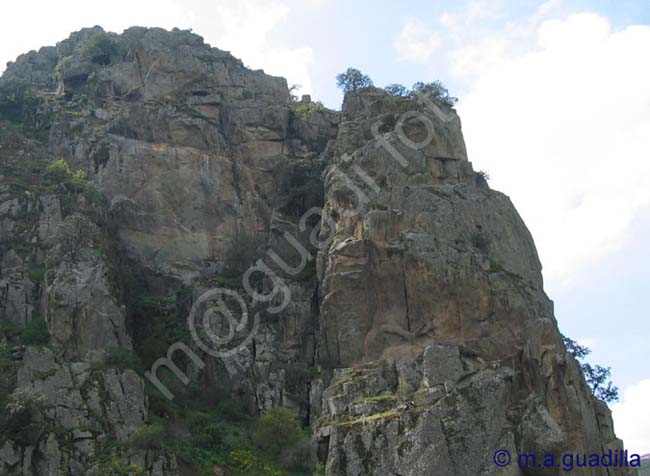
(389, 415)
(389, 397)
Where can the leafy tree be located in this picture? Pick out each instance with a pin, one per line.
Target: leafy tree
(597, 377)
(575, 349)
(436, 90)
(397, 90)
(292, 89)
(352, 80)
(278, 429)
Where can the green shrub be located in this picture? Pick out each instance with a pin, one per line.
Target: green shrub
(122, 358)
(115, 468)
(206, 431)
(148, 437)
(231, 410)
(397, 90)
(268, 470)
(301, 457)
(16, 103)
(102, 49)
(8, 371)
(22, 420)
(241, 460)
(306, 109)
(435, 90)
(300, 186)
(59, 170)
(278, 429)
(483, 175)
(76, 181)
(156, 324)
(35, 332)
(37, 274)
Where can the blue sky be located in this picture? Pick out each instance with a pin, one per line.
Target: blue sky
(555, 105)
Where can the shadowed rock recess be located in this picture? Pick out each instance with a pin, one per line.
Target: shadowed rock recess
(138, 171)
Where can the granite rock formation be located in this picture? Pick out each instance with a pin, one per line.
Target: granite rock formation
(138, 171)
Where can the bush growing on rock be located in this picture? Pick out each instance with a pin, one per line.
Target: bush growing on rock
(231, 410)
(102, 49)
(598, 378)
(76, 181)
(436, 90)
(300, 186)
(121, 358)
(35, 332)
(115, 468)
(148, 437)
(17, 104)
(59, 170)
(397, 90)
(485, 176)
(277, 430)
(206, 431)
(23, 419)
(306, 109)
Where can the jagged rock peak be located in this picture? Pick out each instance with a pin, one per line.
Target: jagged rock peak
(140, 63)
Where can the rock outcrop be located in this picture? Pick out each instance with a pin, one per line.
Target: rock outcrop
(139, 171)
(431, 290)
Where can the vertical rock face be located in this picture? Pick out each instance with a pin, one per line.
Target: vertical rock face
(417, 341)
(177, 153)
(431, 290)
(84, 319)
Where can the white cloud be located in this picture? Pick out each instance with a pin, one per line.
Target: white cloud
(564, 129)
(416, 42)
(632, 418)
(244, 28)
(480, 47)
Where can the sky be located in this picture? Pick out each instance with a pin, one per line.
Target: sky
(555, 104)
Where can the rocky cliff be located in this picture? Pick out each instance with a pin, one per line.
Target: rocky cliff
(396, 302)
